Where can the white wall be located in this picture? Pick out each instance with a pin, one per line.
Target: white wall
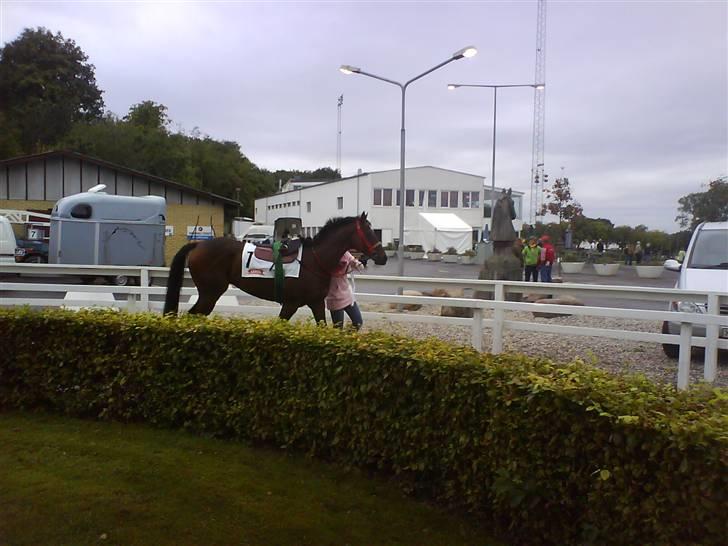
(358, 193)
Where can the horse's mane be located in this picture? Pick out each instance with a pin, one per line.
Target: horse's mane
(331, 225)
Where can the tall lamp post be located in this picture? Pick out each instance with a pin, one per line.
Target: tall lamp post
(466, 52)
(495, 88)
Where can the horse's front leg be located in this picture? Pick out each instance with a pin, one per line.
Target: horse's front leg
(287, 311)
(319, 312)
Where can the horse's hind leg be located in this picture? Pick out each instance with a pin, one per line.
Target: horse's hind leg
(207, 299)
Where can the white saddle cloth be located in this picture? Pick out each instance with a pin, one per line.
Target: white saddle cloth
(255, 267)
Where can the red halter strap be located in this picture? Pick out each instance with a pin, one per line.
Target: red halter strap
(368, 247)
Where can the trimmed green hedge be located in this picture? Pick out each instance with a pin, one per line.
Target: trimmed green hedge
(552, 453)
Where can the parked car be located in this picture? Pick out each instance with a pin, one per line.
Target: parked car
(257, 233)
(31, 251)
(705, 267)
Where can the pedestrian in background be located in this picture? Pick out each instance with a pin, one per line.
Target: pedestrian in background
(548, 257)
(340, 298)
(531, 255)
(628, 254)
(638, 253)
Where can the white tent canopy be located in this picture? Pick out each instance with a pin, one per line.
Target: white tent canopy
(440, 230)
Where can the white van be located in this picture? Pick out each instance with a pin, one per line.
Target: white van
(7, 241)
(705, 267)
(257, 233)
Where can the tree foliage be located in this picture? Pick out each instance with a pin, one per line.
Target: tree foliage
(46, 85)
(142, 141)
(560, 202)
(707, 206)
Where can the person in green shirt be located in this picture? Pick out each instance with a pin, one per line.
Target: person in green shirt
(531, 254)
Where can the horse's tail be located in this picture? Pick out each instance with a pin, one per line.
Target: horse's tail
(174, 282)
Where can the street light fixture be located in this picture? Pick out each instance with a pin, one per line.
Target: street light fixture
(466, 52)
(495, 88)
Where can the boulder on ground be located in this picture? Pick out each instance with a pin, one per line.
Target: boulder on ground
(561, 300)
(408, 306)
(449, 310)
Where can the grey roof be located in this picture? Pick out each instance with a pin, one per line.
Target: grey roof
(126, 170)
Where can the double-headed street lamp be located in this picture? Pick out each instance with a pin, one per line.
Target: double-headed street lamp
(495, 88)
(466, 52)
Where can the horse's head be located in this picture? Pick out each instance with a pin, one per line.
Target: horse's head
(366, 241)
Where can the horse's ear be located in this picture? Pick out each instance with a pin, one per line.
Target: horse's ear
(509, 192)
(364, 216)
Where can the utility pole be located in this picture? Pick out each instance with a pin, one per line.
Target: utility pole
(539, 112)
(338, 134)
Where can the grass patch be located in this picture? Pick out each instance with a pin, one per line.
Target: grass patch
(70, 481)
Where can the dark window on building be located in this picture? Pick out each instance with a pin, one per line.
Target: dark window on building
(82, 210)
(409, 198)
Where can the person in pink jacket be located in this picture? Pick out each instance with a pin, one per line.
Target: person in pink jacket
(340, 298)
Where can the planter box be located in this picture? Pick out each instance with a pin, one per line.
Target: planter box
(434, 256)
(466, 259)
(450, 258)
(649, 271)
(390, 253)
(414, 255)
(606, 270)
(572, 267)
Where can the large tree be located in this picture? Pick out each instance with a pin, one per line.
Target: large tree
(707, 206)
(560, 202)
(46, 84)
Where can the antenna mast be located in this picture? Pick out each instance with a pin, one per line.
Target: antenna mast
(338, 134)
(539, 113)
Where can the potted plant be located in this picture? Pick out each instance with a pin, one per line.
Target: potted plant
(414, 252)
(389, 250)
(606, 265)
(571, 262)
(434, 255)
(467, 257)
(450, 256)
(650, 269)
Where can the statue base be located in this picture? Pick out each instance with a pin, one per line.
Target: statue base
(500, 268)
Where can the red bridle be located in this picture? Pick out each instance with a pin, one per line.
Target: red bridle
(369, 248)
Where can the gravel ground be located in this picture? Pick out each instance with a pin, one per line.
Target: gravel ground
(613, 355)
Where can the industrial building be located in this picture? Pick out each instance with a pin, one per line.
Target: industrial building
(428, 189)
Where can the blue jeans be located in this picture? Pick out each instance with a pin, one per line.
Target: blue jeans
(337, 317)
(545, 273)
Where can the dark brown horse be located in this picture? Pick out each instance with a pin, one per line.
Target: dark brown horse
(217, 263)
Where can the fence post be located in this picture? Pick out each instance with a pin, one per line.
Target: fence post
(477, 329)
(498, 295)
(144, 288)
(710, 367)
(683, 363)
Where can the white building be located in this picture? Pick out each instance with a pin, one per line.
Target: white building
(429, 189)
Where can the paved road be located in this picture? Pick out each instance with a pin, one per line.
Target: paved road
(626, 276)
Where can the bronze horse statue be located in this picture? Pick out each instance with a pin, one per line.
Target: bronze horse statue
(504, 236)
(217, 263)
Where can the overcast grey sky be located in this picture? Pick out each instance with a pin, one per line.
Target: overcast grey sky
(636, 98)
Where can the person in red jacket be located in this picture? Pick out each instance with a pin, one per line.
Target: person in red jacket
(548, 257)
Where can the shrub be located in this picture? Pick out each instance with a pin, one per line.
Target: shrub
(555, 453)
(451, 250)
(571, 256)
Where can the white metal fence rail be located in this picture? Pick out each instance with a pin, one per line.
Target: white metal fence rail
(152, 282)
